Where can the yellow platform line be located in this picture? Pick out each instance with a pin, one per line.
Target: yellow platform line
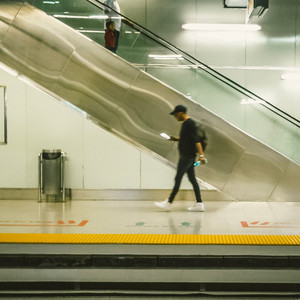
(150, 239)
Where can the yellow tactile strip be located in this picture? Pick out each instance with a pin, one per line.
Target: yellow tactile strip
(152, 239)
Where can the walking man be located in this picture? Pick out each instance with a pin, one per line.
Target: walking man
(189, 146)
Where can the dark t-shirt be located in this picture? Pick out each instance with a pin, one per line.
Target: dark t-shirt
(188, 138)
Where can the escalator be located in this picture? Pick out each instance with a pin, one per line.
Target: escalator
(131, 94)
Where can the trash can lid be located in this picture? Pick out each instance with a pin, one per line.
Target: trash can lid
(52, 151)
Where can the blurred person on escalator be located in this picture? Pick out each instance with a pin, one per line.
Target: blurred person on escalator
(109, 36)
(112, 11)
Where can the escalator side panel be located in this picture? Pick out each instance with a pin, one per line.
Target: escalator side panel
(10, 11)
(288, 186)
(95, 82)
(41, 51)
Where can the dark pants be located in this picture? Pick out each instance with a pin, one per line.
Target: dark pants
(112, 49)
(116, 34)
(185, 164)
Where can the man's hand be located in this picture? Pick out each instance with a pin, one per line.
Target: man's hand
(174, 139)
(201, 153)
(202, 159)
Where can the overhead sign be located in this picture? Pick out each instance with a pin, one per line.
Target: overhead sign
(256, 9)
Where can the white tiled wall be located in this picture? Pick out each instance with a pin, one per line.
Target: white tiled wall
(50, 125)
(13, 159)
(108, 161)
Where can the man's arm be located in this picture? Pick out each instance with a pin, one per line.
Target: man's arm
(200, 152)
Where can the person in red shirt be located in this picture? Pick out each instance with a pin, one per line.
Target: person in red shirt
(109, 36)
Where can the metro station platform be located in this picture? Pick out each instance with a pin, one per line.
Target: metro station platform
(140, 222)
(251, 246)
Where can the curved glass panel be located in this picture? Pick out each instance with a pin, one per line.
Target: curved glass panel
(197, 81)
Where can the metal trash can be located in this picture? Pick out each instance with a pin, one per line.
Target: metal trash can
(51, 173)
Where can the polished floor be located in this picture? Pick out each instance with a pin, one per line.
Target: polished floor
(142, 217)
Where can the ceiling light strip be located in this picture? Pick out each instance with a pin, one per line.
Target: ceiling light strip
(221, 27)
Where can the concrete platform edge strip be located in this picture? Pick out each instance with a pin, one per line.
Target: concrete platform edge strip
(150, 239)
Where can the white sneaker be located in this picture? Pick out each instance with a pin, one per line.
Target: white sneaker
(165, 205)
(198, 206)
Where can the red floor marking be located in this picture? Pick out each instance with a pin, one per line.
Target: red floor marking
(258, 224)
(59, 223)
(83, 223)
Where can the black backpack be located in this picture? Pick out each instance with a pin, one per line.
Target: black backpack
(201, 135)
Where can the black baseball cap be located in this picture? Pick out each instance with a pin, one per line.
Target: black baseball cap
(178, 108)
